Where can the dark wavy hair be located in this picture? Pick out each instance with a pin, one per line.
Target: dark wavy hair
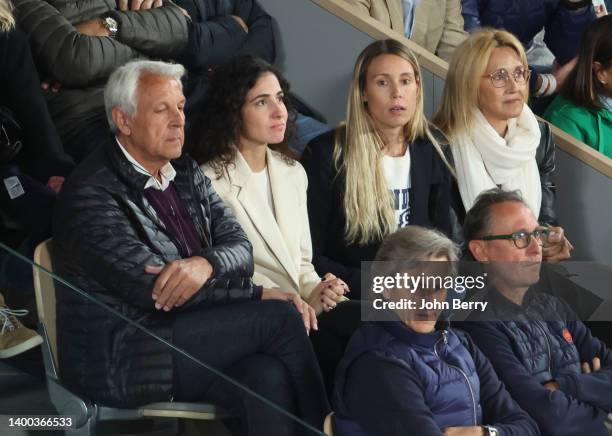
(581, 86)
(213, 135)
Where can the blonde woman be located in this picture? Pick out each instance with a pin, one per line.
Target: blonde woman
(380, 171)
(496, 140)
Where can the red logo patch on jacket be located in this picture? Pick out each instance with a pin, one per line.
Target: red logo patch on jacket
(568, 336)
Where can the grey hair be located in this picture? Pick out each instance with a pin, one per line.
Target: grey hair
(415, 244)
(120, 90)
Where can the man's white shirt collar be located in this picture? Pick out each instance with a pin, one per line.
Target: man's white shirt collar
(167, 172)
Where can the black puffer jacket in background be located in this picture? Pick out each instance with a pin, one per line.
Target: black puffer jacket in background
(105, 233)
(81, 63)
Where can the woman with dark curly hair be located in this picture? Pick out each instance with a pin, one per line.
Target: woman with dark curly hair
(240, 143)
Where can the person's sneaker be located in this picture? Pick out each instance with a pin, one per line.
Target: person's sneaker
(15, 338)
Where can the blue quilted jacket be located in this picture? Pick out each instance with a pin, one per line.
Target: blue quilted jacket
(541, 341)
(525, 18)
(394, 381)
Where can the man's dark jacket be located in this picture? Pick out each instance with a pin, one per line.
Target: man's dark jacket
(540, 341)
(42, 155)
(81, 63)
(525, 18)
(105, 233)
(215, 36)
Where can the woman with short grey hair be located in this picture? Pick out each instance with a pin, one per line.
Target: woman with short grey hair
(415, 375)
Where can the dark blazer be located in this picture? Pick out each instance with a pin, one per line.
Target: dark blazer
(429, 206)
(105, 233)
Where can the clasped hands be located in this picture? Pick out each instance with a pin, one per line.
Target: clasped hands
(324, 297)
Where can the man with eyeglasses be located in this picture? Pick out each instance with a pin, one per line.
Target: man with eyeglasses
(547, 358)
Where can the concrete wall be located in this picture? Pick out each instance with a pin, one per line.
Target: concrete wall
(317, 51)
(584, 206)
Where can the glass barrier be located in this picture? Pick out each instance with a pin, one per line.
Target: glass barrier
(84, 359)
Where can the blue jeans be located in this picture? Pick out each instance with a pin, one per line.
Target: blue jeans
(307, 129)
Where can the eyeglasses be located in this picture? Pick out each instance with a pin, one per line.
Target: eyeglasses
(522, 238)
(499, 78)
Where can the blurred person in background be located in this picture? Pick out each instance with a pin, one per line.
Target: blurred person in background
(436, 25)
(563, 22)
(32, 170)
(584, 107)
(76, 44)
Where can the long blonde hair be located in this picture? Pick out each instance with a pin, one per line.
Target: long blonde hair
(358, 151)
(462, 86)
(7, 21)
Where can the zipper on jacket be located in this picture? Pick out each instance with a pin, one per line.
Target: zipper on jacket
(467, 380)
(547, 346)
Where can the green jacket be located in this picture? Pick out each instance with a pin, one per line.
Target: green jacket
(593, 127)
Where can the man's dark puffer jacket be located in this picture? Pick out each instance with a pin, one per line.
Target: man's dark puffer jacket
(81, 63)
(105, 233)
(541, 341)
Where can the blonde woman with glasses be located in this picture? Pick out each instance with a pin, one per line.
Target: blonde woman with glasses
(495, 138)
(381, 170)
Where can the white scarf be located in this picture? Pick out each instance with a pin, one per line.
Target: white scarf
(484, 159)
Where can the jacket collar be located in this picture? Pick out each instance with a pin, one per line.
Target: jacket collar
(167, 172)
(125, 170)
(506, 309)
(400, 331)
(277, 229)
(183, 180)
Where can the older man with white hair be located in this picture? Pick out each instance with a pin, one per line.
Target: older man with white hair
(140, 227)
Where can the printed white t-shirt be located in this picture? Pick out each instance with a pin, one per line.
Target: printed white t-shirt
(397, 176)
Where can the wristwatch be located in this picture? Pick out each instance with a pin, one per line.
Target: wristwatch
(490, 431)
(111, 25)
